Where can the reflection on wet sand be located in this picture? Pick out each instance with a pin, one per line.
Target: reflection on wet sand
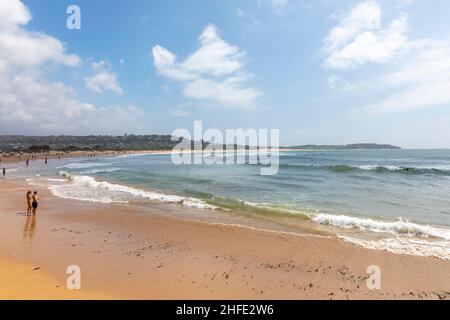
(29, 227)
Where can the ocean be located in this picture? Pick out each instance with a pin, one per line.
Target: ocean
(395, 200)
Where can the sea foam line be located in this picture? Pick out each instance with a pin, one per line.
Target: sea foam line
(99, 170)
(416, 247)
(83, 165)
(86, 188)
(400, 227)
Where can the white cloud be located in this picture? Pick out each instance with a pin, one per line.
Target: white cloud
(230, 92)
(26, 99)
(21, 48)
(412, 98)
(428, 62)
(213, 72)
(364, 16)
(239, 13)
(34, 105)
(359, 38)
(215, 57)
(279, 5)
(422, 82)
(13, 14)
(164, 61)
(31, 104)
(103, 79)
(422, 78)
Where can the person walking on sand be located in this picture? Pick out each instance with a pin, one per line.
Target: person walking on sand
(29, 202)
(34, 204)
(4, 171)
(27, 162)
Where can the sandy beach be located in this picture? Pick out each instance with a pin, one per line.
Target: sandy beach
(15, 157)
(224, 150)
(126, 252)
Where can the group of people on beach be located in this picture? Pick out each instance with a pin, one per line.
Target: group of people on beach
(27, 162)
(32, 202)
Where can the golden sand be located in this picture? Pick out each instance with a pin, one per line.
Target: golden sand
(131, 253)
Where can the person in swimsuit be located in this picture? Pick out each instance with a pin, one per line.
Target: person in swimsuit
(34, 204)
(29, 202)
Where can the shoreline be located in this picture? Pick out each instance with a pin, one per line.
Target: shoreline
(395, 235)
(16, 158)
(149, 253)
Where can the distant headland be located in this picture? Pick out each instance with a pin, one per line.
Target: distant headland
(67, 143)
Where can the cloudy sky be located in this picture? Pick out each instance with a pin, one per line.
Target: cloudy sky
(323, 72)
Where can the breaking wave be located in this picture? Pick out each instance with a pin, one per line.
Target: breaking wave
(400, 227)
(85, 188)
(416, 247)
(343, 168)
(83, 165)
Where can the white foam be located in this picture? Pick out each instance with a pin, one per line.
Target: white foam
(83, 165)
(417, 247)
(400, 227)
(132, 155)
(441, 167)
(86, 188)
(99, 170)
(57, 180)
(371, 167)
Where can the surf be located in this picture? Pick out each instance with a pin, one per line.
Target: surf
(86, 188)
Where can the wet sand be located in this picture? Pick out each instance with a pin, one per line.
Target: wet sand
(147, 253)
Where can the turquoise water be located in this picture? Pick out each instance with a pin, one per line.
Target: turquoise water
(398, 192)
(381, 183)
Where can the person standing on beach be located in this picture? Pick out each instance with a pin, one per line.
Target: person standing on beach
(35, 201)
(4, 171)
(27, 162)
(46, 160)
(29, 198)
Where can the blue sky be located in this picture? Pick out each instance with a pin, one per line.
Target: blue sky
(323, 72)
